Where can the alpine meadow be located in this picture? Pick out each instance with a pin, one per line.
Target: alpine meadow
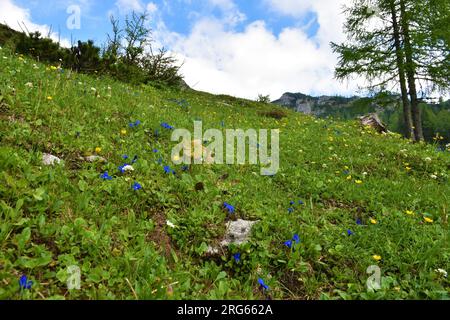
(120, 181)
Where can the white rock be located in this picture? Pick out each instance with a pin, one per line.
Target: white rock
(95, 159)
(50, 160)
(238, 232)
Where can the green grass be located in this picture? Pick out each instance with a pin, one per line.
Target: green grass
(55, 217)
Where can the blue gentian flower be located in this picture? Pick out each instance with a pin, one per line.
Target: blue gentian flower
(125, 157)
(106, 176)
(263, 284)
(300, 202)
(185, 168)
(237, 257)
(288, 244)
(121, 168)
(155, 150)
(296, 238)
(166, 126)
(359, 222)
(349, 232)
(25, 283)
(292, 203)
(134, 159)
(167, 169)
(137, 123)
(137, 186)
(229, 207)
(290, 210)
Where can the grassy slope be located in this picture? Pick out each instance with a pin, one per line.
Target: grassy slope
(54, 217)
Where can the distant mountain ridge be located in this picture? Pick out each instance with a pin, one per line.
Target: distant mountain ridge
(323, 106)
(436, 117)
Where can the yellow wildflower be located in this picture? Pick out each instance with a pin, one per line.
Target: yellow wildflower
(373, 221)
(98, 150)
(409, 212)
(428, 220)
(123, 132)
(376, 257)
(358, 181)
(49, 98)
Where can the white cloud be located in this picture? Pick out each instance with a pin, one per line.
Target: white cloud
(219, 59)
(231, 13)
(126, 6)
(152, 8)
(19, 19)
(329, 15)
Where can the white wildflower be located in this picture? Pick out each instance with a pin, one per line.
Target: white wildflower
(442, 271)
(428, 159)
(433, 176)
(29, 84)
(170, 224)
(128, 168)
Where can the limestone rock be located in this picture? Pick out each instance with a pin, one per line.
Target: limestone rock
(238, 232)
(94, 159)
(50, 160)
(372, 120)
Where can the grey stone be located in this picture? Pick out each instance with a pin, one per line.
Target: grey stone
(50, 160)
(94, 159)
(238, 232)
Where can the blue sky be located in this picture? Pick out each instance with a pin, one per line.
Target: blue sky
(237, 47)
(177, 15)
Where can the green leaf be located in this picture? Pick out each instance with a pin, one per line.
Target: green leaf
(82, 185)
(23, 238)
(221, 275)
(38, 194)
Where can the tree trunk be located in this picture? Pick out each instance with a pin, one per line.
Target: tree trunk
(409, 133)
(411, 75)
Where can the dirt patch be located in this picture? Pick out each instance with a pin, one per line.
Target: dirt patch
(159, 236)
(275, 114)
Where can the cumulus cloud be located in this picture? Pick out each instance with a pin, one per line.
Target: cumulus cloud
(20, 19)
(244, 63)
(126, 6)
(151, 7)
